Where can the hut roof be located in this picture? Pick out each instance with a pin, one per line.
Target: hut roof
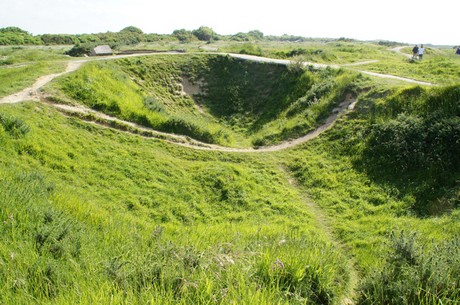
(102, 50)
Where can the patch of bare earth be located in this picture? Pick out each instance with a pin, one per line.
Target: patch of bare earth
(192, 89)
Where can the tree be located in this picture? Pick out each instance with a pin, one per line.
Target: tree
(183, 35)
(205, 33)
(258, 35)
(132, 29)
(13, 29)
(17, 36)
(240, 37)
(58, 39)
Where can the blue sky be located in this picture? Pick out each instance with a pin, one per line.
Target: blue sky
(417, 21)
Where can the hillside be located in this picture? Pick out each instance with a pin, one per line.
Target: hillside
(230, 101)
(366, 213)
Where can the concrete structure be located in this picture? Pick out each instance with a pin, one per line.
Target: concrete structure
(101, 50)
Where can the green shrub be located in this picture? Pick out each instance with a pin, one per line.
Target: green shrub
(16, 127)
(415, 275)
(81, 49)
(251, 49)
(414, 143)
(17, 36)
(152, 104)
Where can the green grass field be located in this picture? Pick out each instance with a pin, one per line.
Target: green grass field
(21, 66)
(368, 211)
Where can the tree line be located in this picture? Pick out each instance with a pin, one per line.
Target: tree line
(131, 35)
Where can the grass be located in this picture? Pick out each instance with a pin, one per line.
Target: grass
(20, 67)
(237, 103)
(140, 219)
(94, 215)
(368, 209)
(439, 66)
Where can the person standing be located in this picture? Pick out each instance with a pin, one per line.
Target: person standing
(421, 50)
(415, 52)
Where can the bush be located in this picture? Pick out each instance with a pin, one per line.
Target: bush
(58, 39)
(251, 49)
(413, 144)
(80, 50)
(17, 36)
(413, 275)
(14, 126)
(205, 33)
(153, 104)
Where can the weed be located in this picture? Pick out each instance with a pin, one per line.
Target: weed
(14, 126)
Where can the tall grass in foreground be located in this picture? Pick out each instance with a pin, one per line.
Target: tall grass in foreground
(48, 256)
(94, 216)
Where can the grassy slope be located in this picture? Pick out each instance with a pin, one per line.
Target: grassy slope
(101, 216)
(241, 103)
(438, 66)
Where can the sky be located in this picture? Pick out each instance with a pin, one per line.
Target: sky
(409, 21)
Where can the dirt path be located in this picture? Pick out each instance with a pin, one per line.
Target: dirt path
(359, 63)
(398, 50)
(113, 122)
(316, 65)
(324, 223)
(408, 80)
(32, 93)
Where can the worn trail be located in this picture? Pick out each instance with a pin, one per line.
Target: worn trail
(105, 120)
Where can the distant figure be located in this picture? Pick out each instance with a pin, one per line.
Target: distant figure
(421, 50)
(458, 51)
(415, 52)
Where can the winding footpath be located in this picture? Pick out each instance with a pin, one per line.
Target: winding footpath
(33, 94)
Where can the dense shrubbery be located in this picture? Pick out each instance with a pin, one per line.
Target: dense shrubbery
(127, 36)
(415, 136)
(410, 144)
(205, 33)
(409, 140)
(17, 36)
(81, 49)
(56, 39)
